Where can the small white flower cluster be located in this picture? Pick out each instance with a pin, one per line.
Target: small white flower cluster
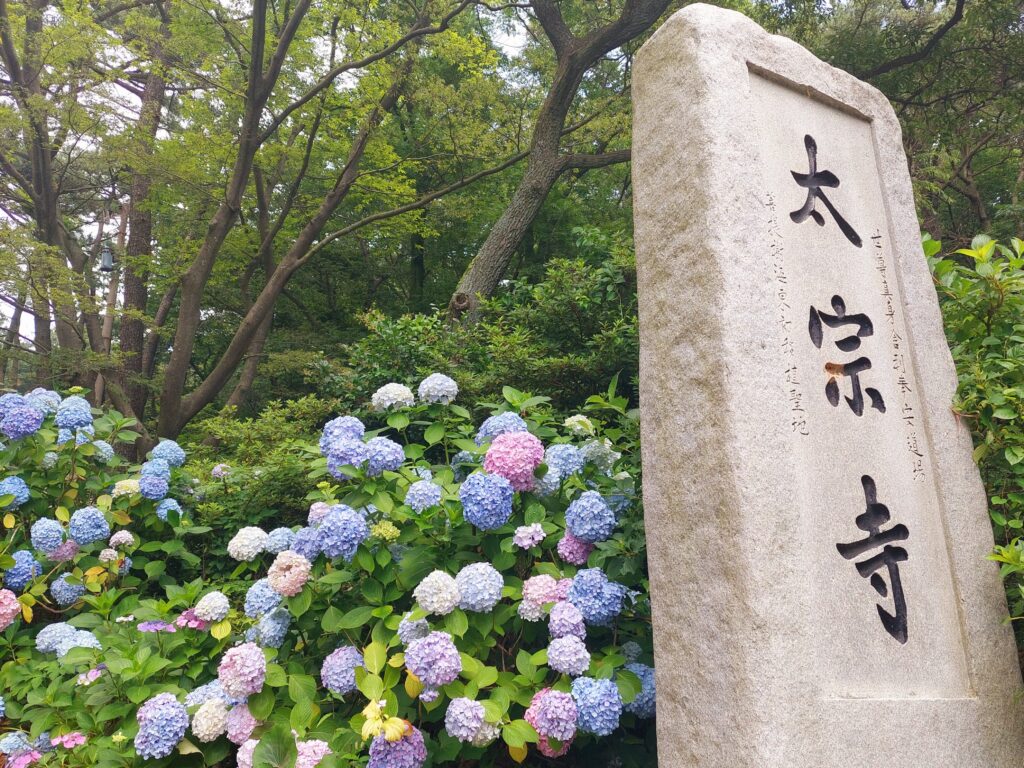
(392, 395)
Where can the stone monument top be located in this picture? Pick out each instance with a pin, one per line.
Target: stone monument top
(817, 528)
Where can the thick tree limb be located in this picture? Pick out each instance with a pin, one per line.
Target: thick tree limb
(923, 52)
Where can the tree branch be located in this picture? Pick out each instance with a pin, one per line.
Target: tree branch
(924, 52)
(603, 160)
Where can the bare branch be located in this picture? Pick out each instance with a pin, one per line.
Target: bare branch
(923, 52)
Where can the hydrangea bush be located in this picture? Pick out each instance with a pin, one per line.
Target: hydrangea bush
(464, 590)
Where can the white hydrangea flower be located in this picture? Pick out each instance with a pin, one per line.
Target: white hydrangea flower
(126, 487)
(438, 388)
(438, 593)
(392, 395)
(210, 720)
(108, 555)
(248, 543)
(213, 606)
(579, 425)
(485, 734)
(600, 454)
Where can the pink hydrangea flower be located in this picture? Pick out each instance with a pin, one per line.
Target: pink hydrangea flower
(65, 551)
(189, 619)
(289, 573)
(9, 608)
(68, 740)
(514, 456)
(244, 757)
(537, 591)
(90, 677)
(25, 759)
(243, 670)
(317, 511)
(574, 550)
(562, 589)
(527, 536)
(241, 724)
(311, 753)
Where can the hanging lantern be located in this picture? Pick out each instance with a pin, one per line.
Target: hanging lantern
(106, 259)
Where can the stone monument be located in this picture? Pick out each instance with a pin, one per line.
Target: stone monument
(817, 530)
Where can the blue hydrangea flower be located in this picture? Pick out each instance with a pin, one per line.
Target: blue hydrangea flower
(338, 672)
(46, 400)
(50, 459)
(566, 459)
(166, 506)
(3, 708)
(64, 593)
(278, 540)
(340, 429)
(162, 724)
(643, 704)
(156, 468)
(345, 452)
(271, 629)
(499, 424)
(598, 705)
(486, 500)
(84, 434)
(598, 599)
(342, 531)
(16, 487)
(125, 566)
(307, 543)
(589, 519)
(25, 568)
(64, 436)
(9, 401)
(74, 412)
(21, 421)
(631, 650)
(104, 450)
(422, 495)
(412, 629)
(204, 693)
(438, 388)
(153, 487)
(169, 451)
(46, 534)
(384, 454)
(547, 484)
(88, 525)
(463, 463)
(15, 743)
(260, 599)
(480, 587)
(82, 638)
(53, 634)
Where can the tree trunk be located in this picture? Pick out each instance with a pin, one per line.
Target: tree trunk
(11, 343)
(417, 272)
(140, 246)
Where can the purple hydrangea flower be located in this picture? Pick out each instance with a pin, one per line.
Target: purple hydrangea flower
(307, 543)
(344, 453)
(565, 619)
(343, 428)
(527, 536)
(553, 714)
(463, 718)
(568, 655)
(412, 629)
(162, 724)
(574, 550)
(408, 752)
(434, 659)
(242, 670)
(338, 672)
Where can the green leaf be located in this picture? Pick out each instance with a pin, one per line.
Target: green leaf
(276, 677)
(434, 433)
(301, 688)
(331, 621)
(276, 748)
(303, 714)
(525, 664)
(629, 685)
(371, 686)
(375, 656)
(261, 705)
(357, 617)
(456, 623)
(398, 421)
(1004, 413)
(487, 676)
